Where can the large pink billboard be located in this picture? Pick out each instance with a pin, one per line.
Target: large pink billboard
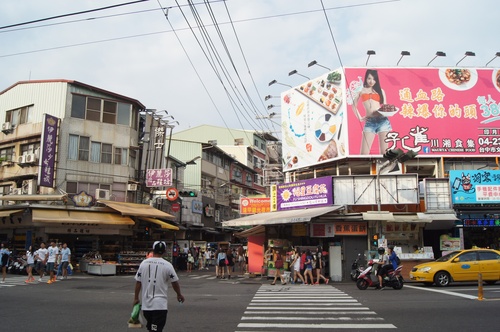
(363, 111)
(432, 111)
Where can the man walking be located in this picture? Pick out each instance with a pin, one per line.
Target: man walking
(41, 256)
(51, 261)
(65, 259)
(152, 279)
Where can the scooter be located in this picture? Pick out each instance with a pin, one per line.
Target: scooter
(392, 279)
(356, 269)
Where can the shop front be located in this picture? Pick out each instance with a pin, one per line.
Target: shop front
(97, 236)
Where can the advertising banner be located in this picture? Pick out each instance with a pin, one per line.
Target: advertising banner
(307, 193)
(432, 111)
(360, 111)
(313, 122)
(249, 205)
(475, 187)
(48, 150)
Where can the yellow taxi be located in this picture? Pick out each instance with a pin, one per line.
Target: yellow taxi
(460, 265)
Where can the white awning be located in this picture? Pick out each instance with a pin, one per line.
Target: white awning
(440, 221)
(281, 217)
(8, 213)
(378, 215)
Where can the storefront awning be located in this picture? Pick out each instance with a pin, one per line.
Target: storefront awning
(79, 217)
(256, 230)
(411, 217)
(164, 225)
(281, 217)
(378, 215)
(136, 210)
(439, 220)
(8, 213)
(33, 197)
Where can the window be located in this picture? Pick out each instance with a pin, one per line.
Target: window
(95, 155)
(78, 148)
(101, 110)
(133, 158)
(6, 153)
(488, 256)
(467, 257)
(20, 115)
(123, 114)
(106, 153)
(118, 156)
(30, 148)
(109, 112)
(78, 107)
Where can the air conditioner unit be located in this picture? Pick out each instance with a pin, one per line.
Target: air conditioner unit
(29, 187)
(132, 187)
(6, 126)
(31, 158)
(21, 159)
(102, 194)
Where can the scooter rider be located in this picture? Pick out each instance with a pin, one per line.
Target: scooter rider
(390, 263)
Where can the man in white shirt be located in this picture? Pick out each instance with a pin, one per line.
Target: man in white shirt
(152, 279)
(65, 259)
(41, 256)
(51, 261)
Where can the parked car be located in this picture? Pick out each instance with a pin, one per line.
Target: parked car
(460, 265)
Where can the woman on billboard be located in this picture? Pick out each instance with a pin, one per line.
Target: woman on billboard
(372, 97)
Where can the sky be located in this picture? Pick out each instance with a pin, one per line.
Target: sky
(155, 52)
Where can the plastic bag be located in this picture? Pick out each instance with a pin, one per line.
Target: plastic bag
(134, 316)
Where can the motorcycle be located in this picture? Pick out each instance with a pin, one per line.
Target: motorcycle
(392, 279)
(356, 269)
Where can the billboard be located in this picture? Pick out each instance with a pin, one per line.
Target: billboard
(362, 112)
(313, 122)
(303, 194)
(475, 187)
(253, 205)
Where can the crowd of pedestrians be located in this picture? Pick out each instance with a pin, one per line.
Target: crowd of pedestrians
(305, 266)
(53, 261)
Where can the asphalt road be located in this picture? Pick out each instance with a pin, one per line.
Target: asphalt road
(96, 303)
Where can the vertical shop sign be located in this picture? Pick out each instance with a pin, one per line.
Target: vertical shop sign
(48, 151)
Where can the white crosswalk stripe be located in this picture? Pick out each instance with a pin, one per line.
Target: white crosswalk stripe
(323, 307)
(11, 281)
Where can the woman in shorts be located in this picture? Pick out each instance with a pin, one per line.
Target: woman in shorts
(30, 260)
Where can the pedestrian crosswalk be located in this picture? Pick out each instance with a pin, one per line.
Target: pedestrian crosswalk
(321, 307)
(19, 280)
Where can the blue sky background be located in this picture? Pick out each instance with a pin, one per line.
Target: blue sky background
(131, 50)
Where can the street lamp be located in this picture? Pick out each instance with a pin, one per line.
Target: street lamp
(497, 54)
(271, 106)
(438, 53)
(403, 53)
(276, 82)
(266, 98)
(314, 62)
(369, 53)
(468, 53)
(295, 72)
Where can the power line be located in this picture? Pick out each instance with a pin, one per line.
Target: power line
(70, 14)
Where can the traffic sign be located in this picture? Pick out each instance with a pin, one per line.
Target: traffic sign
(176, 207)
(172, 194)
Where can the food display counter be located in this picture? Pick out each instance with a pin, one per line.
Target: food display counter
(408, 261)
(102, 269)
